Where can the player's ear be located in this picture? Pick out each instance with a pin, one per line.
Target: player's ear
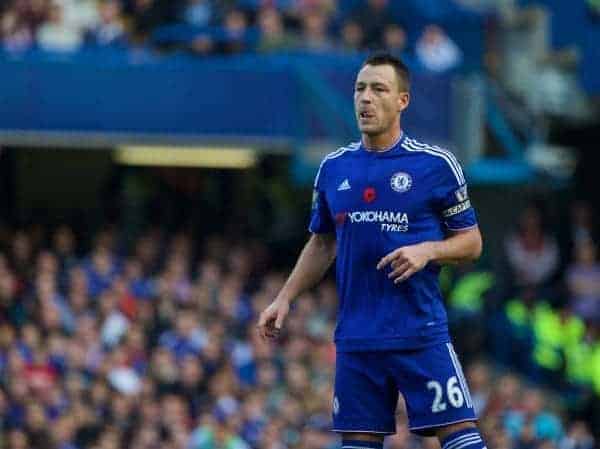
(403, 101)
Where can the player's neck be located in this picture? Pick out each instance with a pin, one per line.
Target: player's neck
(382, 142)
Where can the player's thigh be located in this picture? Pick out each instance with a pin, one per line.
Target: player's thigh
(365, 396)
(434, 388)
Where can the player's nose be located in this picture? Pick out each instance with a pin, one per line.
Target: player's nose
(367, 96)
(365, 99)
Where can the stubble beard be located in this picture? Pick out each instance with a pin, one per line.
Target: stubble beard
(375, 131)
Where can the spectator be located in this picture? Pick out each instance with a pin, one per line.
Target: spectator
(479, 385)
(295, 10)
(583, 281)
(101, 270)
(273, 35)
(57, 34)
(81, 15)
(146, 252)
(110, 29)
(394, 39)
(314, 32)
(581, 223)
(33, 12)
(216, 435)
(11, 310)
(63, 433)
(353, 36)
(199, 13)
(147, 15)
(22, 256)
(140, 286)
(202, 44)
(235, 28)
(532, 254)
(188, 338)
(174, 281)
(122, 377)
(15, 35)
(115, 323)
(577, 437)
(374, 18)
(436, 51)
(48, 298)
(77, 291)
(530, 423)
(63, 245)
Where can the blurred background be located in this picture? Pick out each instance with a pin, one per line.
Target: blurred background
(156, 161)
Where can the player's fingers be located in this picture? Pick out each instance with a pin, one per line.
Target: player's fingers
(266, 331)
(385, 260)
(396, 254)
(262, 319)
(279, 321)
(261, 330)
(273, 332)
(263, 324)
(399, 270)
(400, 260)
(408, 273)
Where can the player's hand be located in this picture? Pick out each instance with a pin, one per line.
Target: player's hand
(271, 319)
(406, 261)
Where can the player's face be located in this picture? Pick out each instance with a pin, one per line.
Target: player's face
(378, 99)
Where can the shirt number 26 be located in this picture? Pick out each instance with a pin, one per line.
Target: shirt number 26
(453, 393)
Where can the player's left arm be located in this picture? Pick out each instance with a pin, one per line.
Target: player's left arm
(459, 247)
(463, 242)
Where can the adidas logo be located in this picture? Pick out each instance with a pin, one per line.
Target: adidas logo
(344, 185)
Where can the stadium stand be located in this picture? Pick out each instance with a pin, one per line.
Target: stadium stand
(112, 337)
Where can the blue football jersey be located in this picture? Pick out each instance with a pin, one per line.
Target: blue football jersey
(376, 202)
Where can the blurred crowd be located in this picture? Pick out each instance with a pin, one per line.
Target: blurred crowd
(153, 345)
(538, 310)
(206, 27)
(550, 300)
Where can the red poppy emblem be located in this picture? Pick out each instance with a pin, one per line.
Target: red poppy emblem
(369, 194)
(340, 218)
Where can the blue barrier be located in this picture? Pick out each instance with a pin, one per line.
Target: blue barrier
(136, 92)
(292, 99)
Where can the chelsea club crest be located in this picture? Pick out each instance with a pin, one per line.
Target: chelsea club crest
(401, 182)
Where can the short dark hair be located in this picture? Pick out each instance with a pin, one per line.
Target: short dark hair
(385, 58)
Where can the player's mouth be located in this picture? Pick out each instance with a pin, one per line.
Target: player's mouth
(366, 115)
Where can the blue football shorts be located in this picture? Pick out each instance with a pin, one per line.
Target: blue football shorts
(431, 380)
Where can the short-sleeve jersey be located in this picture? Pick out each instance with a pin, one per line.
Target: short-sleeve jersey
(376, 202)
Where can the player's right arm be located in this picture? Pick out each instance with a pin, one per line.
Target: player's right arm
(316, 257)
(314, 260)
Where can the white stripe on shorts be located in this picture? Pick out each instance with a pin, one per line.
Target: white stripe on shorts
(460, 375)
